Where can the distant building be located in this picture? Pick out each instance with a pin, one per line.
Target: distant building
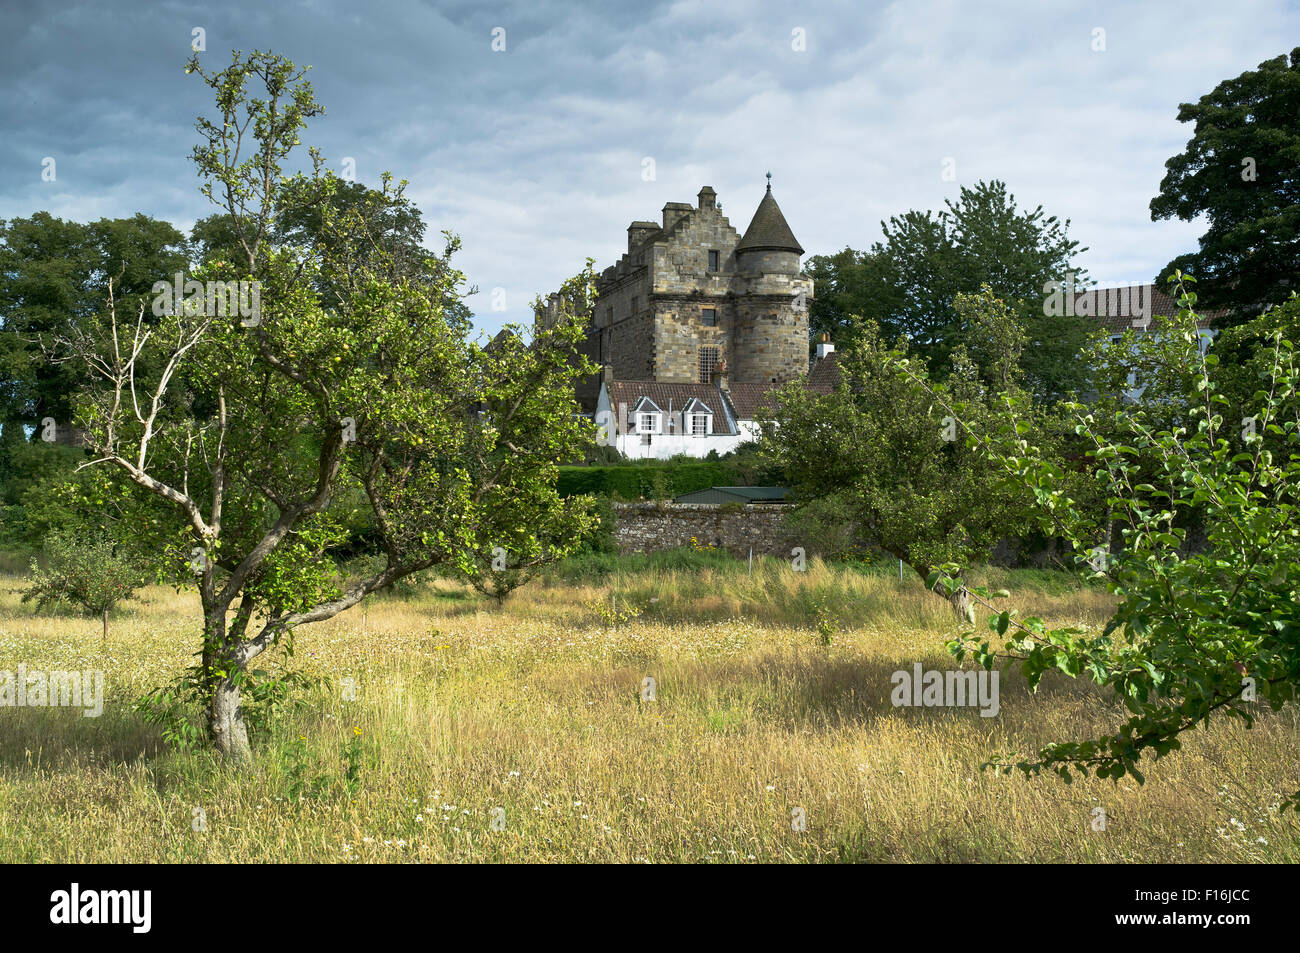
(1134, 308)
(696, 324)
(693, 325)
(658, 420)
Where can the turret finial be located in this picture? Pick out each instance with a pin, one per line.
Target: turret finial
(769, 181)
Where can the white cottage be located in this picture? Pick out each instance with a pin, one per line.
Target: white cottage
(662, 419)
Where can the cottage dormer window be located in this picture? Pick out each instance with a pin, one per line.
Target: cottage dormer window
(700, 425)
(647, 424)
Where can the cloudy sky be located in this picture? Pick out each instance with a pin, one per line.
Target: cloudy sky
(541, 153)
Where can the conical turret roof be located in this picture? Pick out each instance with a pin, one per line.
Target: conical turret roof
(768, 231)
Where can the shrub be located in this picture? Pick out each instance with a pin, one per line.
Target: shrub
(92, 574)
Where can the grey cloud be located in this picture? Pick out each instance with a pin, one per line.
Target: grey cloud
(534, 155)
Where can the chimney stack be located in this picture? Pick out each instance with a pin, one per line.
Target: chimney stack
(638, 232)
(674, 212)
(824, 346)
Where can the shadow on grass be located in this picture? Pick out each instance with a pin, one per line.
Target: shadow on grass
(802, 689)
(60, 737)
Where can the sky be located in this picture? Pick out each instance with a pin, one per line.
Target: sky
(537, 131)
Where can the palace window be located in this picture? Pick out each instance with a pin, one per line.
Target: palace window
(710, 317)
(713, 261)
(708, 364)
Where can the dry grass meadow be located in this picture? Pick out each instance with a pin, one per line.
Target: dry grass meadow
(461, 708)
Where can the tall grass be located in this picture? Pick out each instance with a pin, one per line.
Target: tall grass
(536, 709)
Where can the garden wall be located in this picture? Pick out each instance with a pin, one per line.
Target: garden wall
(652, 527)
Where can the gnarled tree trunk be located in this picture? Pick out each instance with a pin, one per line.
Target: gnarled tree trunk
(226, 720)
(960, 599)
(222, 667)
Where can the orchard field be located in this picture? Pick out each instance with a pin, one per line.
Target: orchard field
(429, 725)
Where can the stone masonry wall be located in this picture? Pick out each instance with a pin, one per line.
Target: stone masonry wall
(775, 336)
(648, 322)
(652, 527)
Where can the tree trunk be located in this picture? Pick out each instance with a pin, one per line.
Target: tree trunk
(960, 600)
(225, 709)
(226, 719)
(105, 625)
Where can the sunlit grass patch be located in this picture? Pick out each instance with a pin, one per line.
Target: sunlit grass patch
(462, 709)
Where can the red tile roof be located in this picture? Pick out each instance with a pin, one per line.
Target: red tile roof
(825, 374)
(1117, 308)
(670, 397)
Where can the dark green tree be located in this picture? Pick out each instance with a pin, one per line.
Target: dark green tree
(1241, 171)
(908, 283)
(52, 275)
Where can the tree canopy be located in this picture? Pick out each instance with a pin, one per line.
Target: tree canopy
(52, 274)
(1241, 171)
(257, 436)
(908, 284)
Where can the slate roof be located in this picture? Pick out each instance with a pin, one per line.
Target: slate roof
(502, 337)
(768, 230)
(748, 398)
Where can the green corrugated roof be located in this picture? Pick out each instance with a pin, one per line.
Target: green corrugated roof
(734, 494)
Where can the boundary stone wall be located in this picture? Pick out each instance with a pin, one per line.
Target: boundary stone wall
(653, 527)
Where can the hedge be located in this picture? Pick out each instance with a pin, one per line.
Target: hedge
(651, 481)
